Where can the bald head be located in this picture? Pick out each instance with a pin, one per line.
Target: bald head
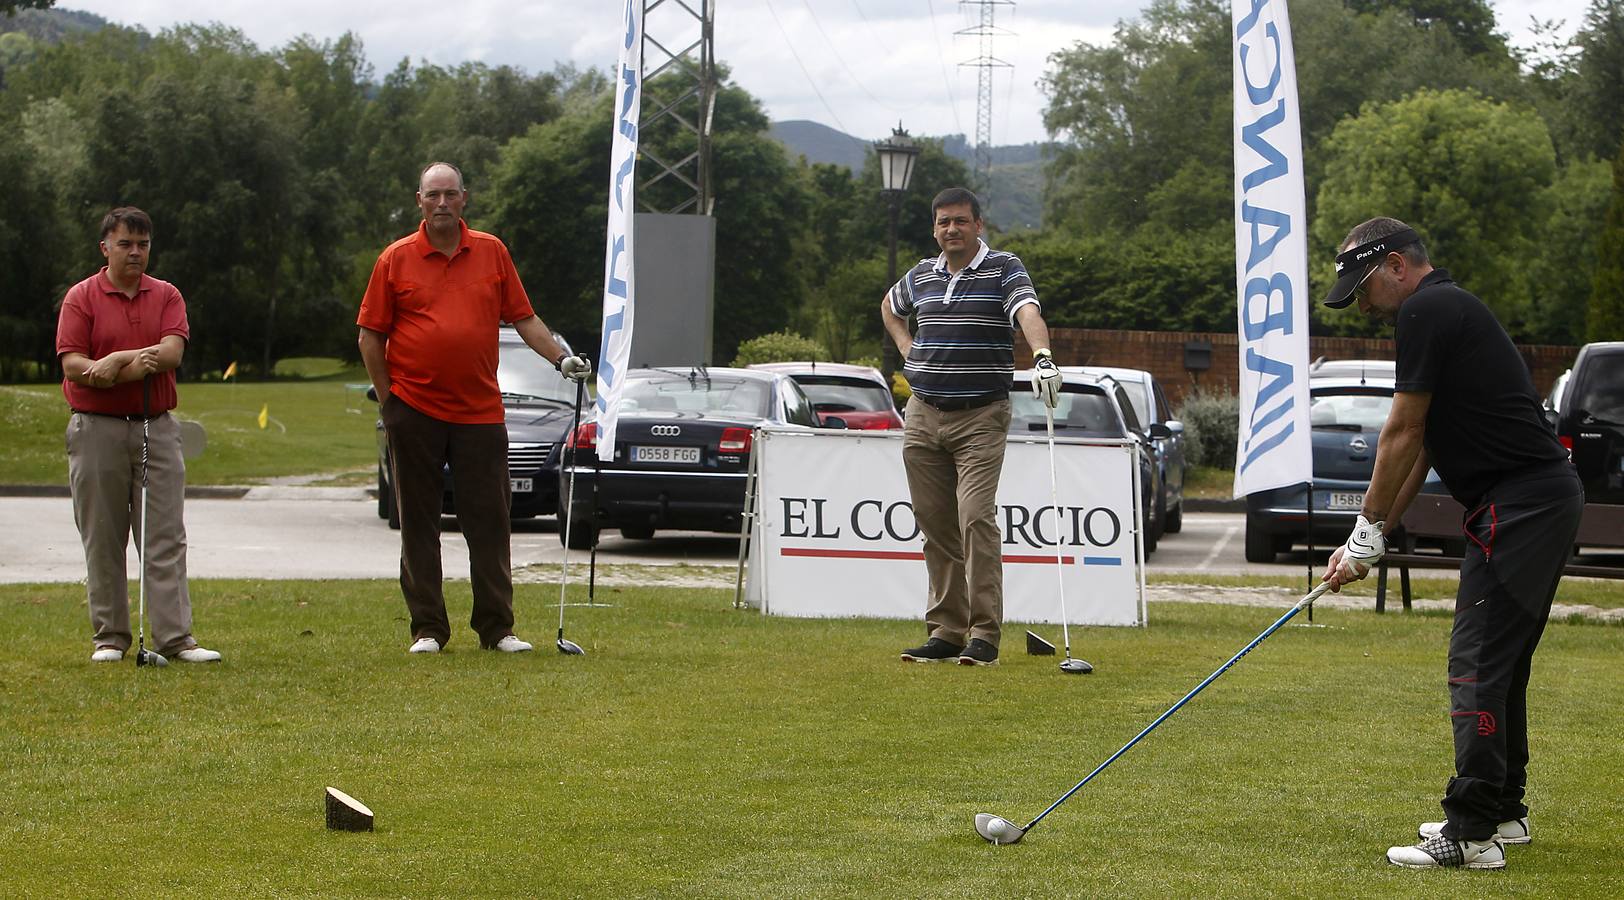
(440, 170)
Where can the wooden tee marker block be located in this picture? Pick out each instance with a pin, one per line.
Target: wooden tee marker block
(345, 813)
(1036, 646)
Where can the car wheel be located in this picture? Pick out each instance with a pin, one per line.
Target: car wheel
(1259, 545)
(383, 494)
(1175, 520)
(637, 532)
(389, 509)
(576, 536)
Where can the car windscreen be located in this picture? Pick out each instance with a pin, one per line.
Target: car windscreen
(696, 395)
(1602, 392)
(522, 374)
(1080, 413)
(832, 394)
(1349, 411)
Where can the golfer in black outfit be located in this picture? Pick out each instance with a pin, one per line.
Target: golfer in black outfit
(1464, 403)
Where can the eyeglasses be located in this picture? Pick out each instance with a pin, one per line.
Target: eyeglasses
(1359, 290)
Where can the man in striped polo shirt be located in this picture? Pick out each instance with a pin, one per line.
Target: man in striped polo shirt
(967, 302)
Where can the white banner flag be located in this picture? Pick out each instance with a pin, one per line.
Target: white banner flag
(1275, 447)
(619, 275)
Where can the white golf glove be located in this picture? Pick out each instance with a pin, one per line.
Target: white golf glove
(1363, 549)
(1045, 378)
(575, 368)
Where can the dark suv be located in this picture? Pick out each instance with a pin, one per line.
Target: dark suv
(539, 404)
(1590, 420)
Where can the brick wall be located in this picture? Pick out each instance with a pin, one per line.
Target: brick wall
(1162, 354)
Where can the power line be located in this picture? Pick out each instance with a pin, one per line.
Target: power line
(810, 81)
(952, 99)
(835, 52)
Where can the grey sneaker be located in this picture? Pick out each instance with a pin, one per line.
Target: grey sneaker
(1442, 853)
(979, 653)
(933, 650)
(1512, 832)
(107, 654)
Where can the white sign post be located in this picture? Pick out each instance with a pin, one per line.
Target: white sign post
(835, 534)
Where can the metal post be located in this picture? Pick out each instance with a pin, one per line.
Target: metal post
(891, 358)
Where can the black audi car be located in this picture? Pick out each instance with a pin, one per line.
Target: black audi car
(539, 404)
(682, 452)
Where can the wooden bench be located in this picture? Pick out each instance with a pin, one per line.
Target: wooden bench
(1438, 517)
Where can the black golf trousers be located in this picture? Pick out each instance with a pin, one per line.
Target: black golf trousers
(1518, 540)
(419, 448)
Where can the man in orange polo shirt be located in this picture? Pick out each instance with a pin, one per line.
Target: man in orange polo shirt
(429, 325)
(120, 336)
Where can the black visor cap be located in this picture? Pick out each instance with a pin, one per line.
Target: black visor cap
(1353, 264)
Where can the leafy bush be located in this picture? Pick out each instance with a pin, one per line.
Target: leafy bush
(780, 346)
(1211, 418)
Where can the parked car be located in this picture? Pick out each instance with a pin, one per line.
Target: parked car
(857, 394)
(1150, 408)
(1348, 404)
(682, 452)
(539, 404)
(1590, 420)
(1099, 407)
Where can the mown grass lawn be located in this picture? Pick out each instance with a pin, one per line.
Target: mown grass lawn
(702, 751)
(312, 428)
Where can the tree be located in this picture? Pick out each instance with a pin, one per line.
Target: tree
(1469, 174)
(7, 7)
(1604, 321)
(1563, 272)
(1597, 89)
(1471, 22)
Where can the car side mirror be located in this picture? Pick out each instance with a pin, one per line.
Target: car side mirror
(1175, 426)
(1159, 432)
(372, 394)
(834, 422)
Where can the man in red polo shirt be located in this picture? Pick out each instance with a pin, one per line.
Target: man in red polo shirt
(429, 325)
(120, 336)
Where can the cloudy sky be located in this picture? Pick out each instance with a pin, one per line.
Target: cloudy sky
(857, 65)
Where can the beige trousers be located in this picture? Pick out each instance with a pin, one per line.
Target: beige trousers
(953, 460)
(104, 474)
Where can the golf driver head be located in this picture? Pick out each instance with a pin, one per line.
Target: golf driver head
(149, 658)
(998, 830)
(1076, 667)
(569, 647)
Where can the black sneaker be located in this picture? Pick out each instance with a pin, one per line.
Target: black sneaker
(979, 653)
(934, 650)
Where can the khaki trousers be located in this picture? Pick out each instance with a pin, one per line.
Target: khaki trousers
(953, 460)
(419, 447)
(104, 475)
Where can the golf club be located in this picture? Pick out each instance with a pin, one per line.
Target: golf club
(143, 656)
(566, 505)
(1000, 830)
(1068, 665)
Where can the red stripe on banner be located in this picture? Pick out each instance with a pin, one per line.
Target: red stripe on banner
(905, 554)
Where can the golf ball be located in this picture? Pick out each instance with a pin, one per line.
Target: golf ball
(997, 827)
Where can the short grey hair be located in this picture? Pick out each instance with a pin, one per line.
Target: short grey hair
(435, 165)
(1382, 226)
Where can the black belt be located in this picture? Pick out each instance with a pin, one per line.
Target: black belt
(956, 404)
(132, 417)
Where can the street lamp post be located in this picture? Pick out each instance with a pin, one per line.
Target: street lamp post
(896, 155)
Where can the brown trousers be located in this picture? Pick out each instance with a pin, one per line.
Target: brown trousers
(419, 447)
(104, 476)
(953, 461)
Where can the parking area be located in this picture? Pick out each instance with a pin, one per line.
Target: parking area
(325, 533)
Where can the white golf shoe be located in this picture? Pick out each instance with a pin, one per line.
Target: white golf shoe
(512, 644)
(1512, 832)
(107, 654)
(424, 645)
(1442, 853)
(198, 655)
